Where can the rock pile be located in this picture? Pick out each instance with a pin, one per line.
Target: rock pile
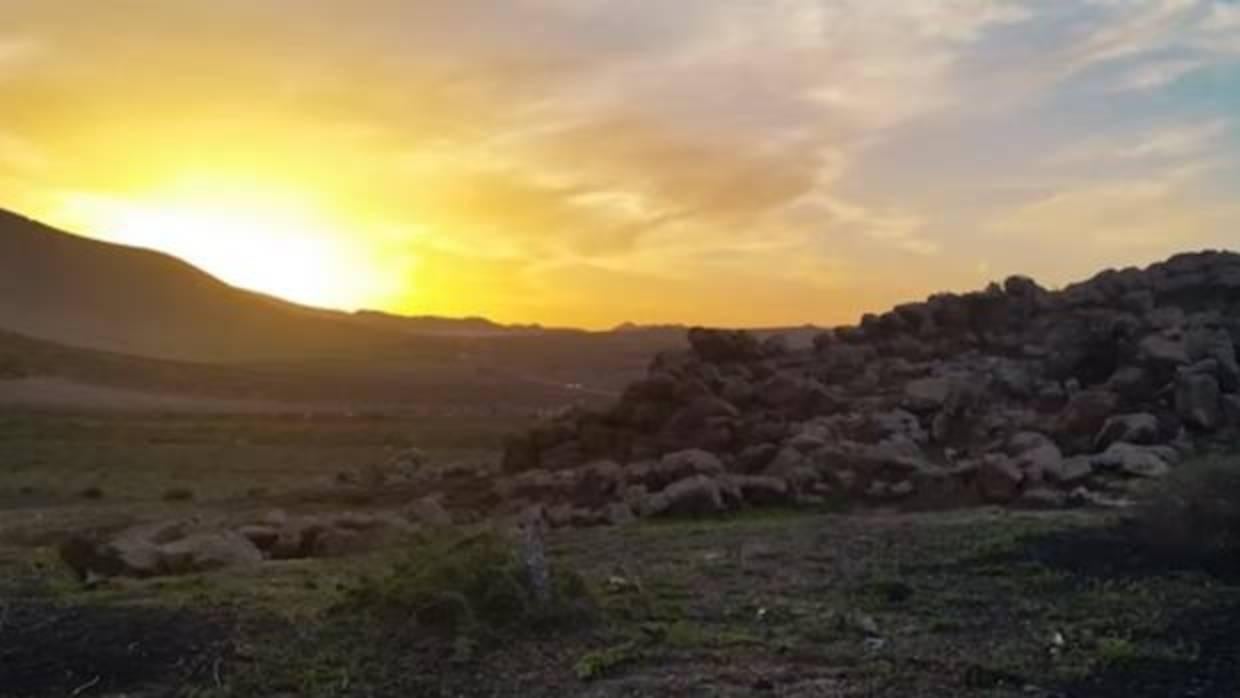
(196, 545)
(1013, 395)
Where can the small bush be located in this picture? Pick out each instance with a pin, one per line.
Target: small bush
(1195, 516)
(179, 494)
(602, 663)
(476, 584)
(92, 493)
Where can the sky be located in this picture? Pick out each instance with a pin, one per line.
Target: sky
(580, 162)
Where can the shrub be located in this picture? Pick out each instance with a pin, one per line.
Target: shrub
(178, 494)
(1195, 515)
(475, 584)
(92, 493)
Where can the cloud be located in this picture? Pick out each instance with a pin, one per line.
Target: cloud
(1165, 143)
(1158, 74)
(835, 152)
(1072, 232)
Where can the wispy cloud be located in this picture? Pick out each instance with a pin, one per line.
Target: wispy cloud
(1165, 143)
(1154, 75)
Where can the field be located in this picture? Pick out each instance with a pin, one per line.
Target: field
(777, 603)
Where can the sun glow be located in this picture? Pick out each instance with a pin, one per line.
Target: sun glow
(255, 237)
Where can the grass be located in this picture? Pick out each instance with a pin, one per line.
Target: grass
(917, 605)
(977, 603)
(141, 457)
(481, 583)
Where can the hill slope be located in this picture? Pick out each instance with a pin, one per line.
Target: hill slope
(82, 292)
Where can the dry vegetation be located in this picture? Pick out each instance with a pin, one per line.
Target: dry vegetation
(983, 603)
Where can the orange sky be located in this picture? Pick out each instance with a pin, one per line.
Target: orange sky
(588, 163)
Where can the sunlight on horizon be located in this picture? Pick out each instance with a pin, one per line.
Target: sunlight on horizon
(258, 238)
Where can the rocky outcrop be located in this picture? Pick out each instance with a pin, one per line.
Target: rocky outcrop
(1012, 395)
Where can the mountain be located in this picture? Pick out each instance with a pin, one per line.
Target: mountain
(86, 293)
(448, 327)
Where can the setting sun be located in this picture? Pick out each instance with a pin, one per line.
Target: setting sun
(261, 239)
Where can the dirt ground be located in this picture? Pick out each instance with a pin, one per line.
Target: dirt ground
(771, 603)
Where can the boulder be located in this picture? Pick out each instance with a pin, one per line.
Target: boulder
(956, 424)
(999, 478)
(1198, 400)
(1015, 380)
(1213, 343)
(1139, 428)
(698, 495)
(125, 555)
(1084, 416)
(926, 394)
(1070, 471)
(684, 464)
(756, 458)
(1036, 462)
(1163, 351)
(759, 490)
(297, 539)
(897, 423)
(1134, 461)
(429, 511)
(203, 552)
(800, 471)
(262, 536)
(1133, 384)
(619, 514)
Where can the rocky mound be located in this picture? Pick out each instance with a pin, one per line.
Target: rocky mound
(1012, 395)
